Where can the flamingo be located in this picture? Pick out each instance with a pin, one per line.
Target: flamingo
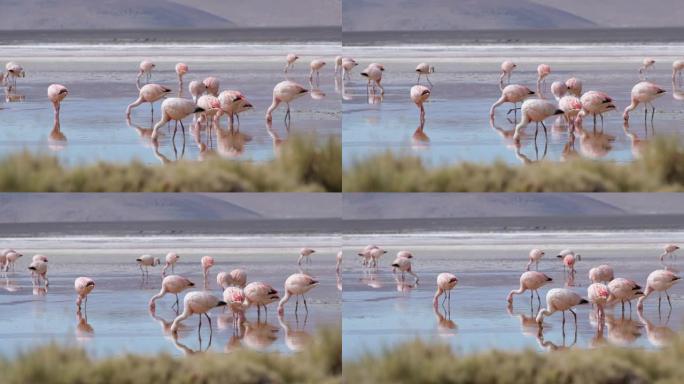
(419, 95)
(507, 68)
(677, 68)
(83, 287)
(11, 257)
(569, 258)
(338, 65)
(543, 70)
(574, 86)
(445, 283)
(403, 264)
(234, 278)
(601, 274)
(56, 93)
(347, 65)
(235, 300)
(424, 69)
(36, 258)
(232, 103)
(535, 256)
(512, 93)
(376, 254)
(571, 106)
(173, 284)
(669, 250)
(13, 71)
(212, 85)
(595, 103)
(598, 295)
(147, 261)
(659, 281)
(149, 93)
(647, 64)
(316, 66)
(145, 69)
(535, 110)
(285, 91)
(197, 89)
(338, 261)
(560, 299)
(289, 61)
(374, 73)
(624, 290)
(559, 89)
(171, 259)
(644, 92)
(532, 281)
(305, 254)
(212, 108)
(177, 109)
(181, 70)
(39, 268)
(371, 253)
(297, 284)
(206, 262)
(260, 294)
(199, 303)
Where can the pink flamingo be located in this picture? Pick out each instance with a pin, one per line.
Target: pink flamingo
(644, 92)
(347, 65)
(677, 68)
(316, 66)
(530, 281)
(560, 299)
(624, 290)
(56, 93)
(232, 103)
(598, 295)
(659, 281)
(36, 258)
(39, 268)
(512, 93)
(212, 85)
(535, 110)
(403, 264)
(669, 250)
(234, 278)
(601, 274)
(377, 253)
(11, 257)
(424, 69)
(419, 95)
(569, 258)
(13, 71)
(297, 284)
(211, 107)
(445, 283)
(83, 287)
(543, 70)
(177, 109)
(374, 73)
(285, 91)
(235, 300)
(197, 89)
(147, 261)
(574, 86)
(172, 284)
(507, 68)
(338, 261)
(647, 64)
(595, 103)
(289, 61)
(145, 69)
(535, 256)
(199, 303)
(558, 89)
(338, 64)
(181, 70)
(149, 93)
(171, 259)
(571, 107)
(305, 255)
(260, 294)
(207, 262)
(370, 254)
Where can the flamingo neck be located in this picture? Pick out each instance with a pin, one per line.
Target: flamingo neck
(273, 106)
(283, 301)
(543, 313)
(438, 293)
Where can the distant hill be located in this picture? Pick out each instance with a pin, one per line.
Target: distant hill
(411, 15)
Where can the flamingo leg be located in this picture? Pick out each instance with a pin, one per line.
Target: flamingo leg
(668, 299)
(307, 308)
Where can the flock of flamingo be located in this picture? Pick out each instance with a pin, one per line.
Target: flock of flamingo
(238, 295)
(605, 290)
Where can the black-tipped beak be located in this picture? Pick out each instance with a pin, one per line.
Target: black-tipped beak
(395, 265)
(426, 92)
(549, 279)
(191, 284)
(63, 91)
(198, 109)
(558, 112)
(32, 268)
(304, 91)
(360, 254)
(530, 93)
(560, 256)
(583, 301)
(221, 304)
(90, 284)
(454, 280)
(248, 105)
(383, 252)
